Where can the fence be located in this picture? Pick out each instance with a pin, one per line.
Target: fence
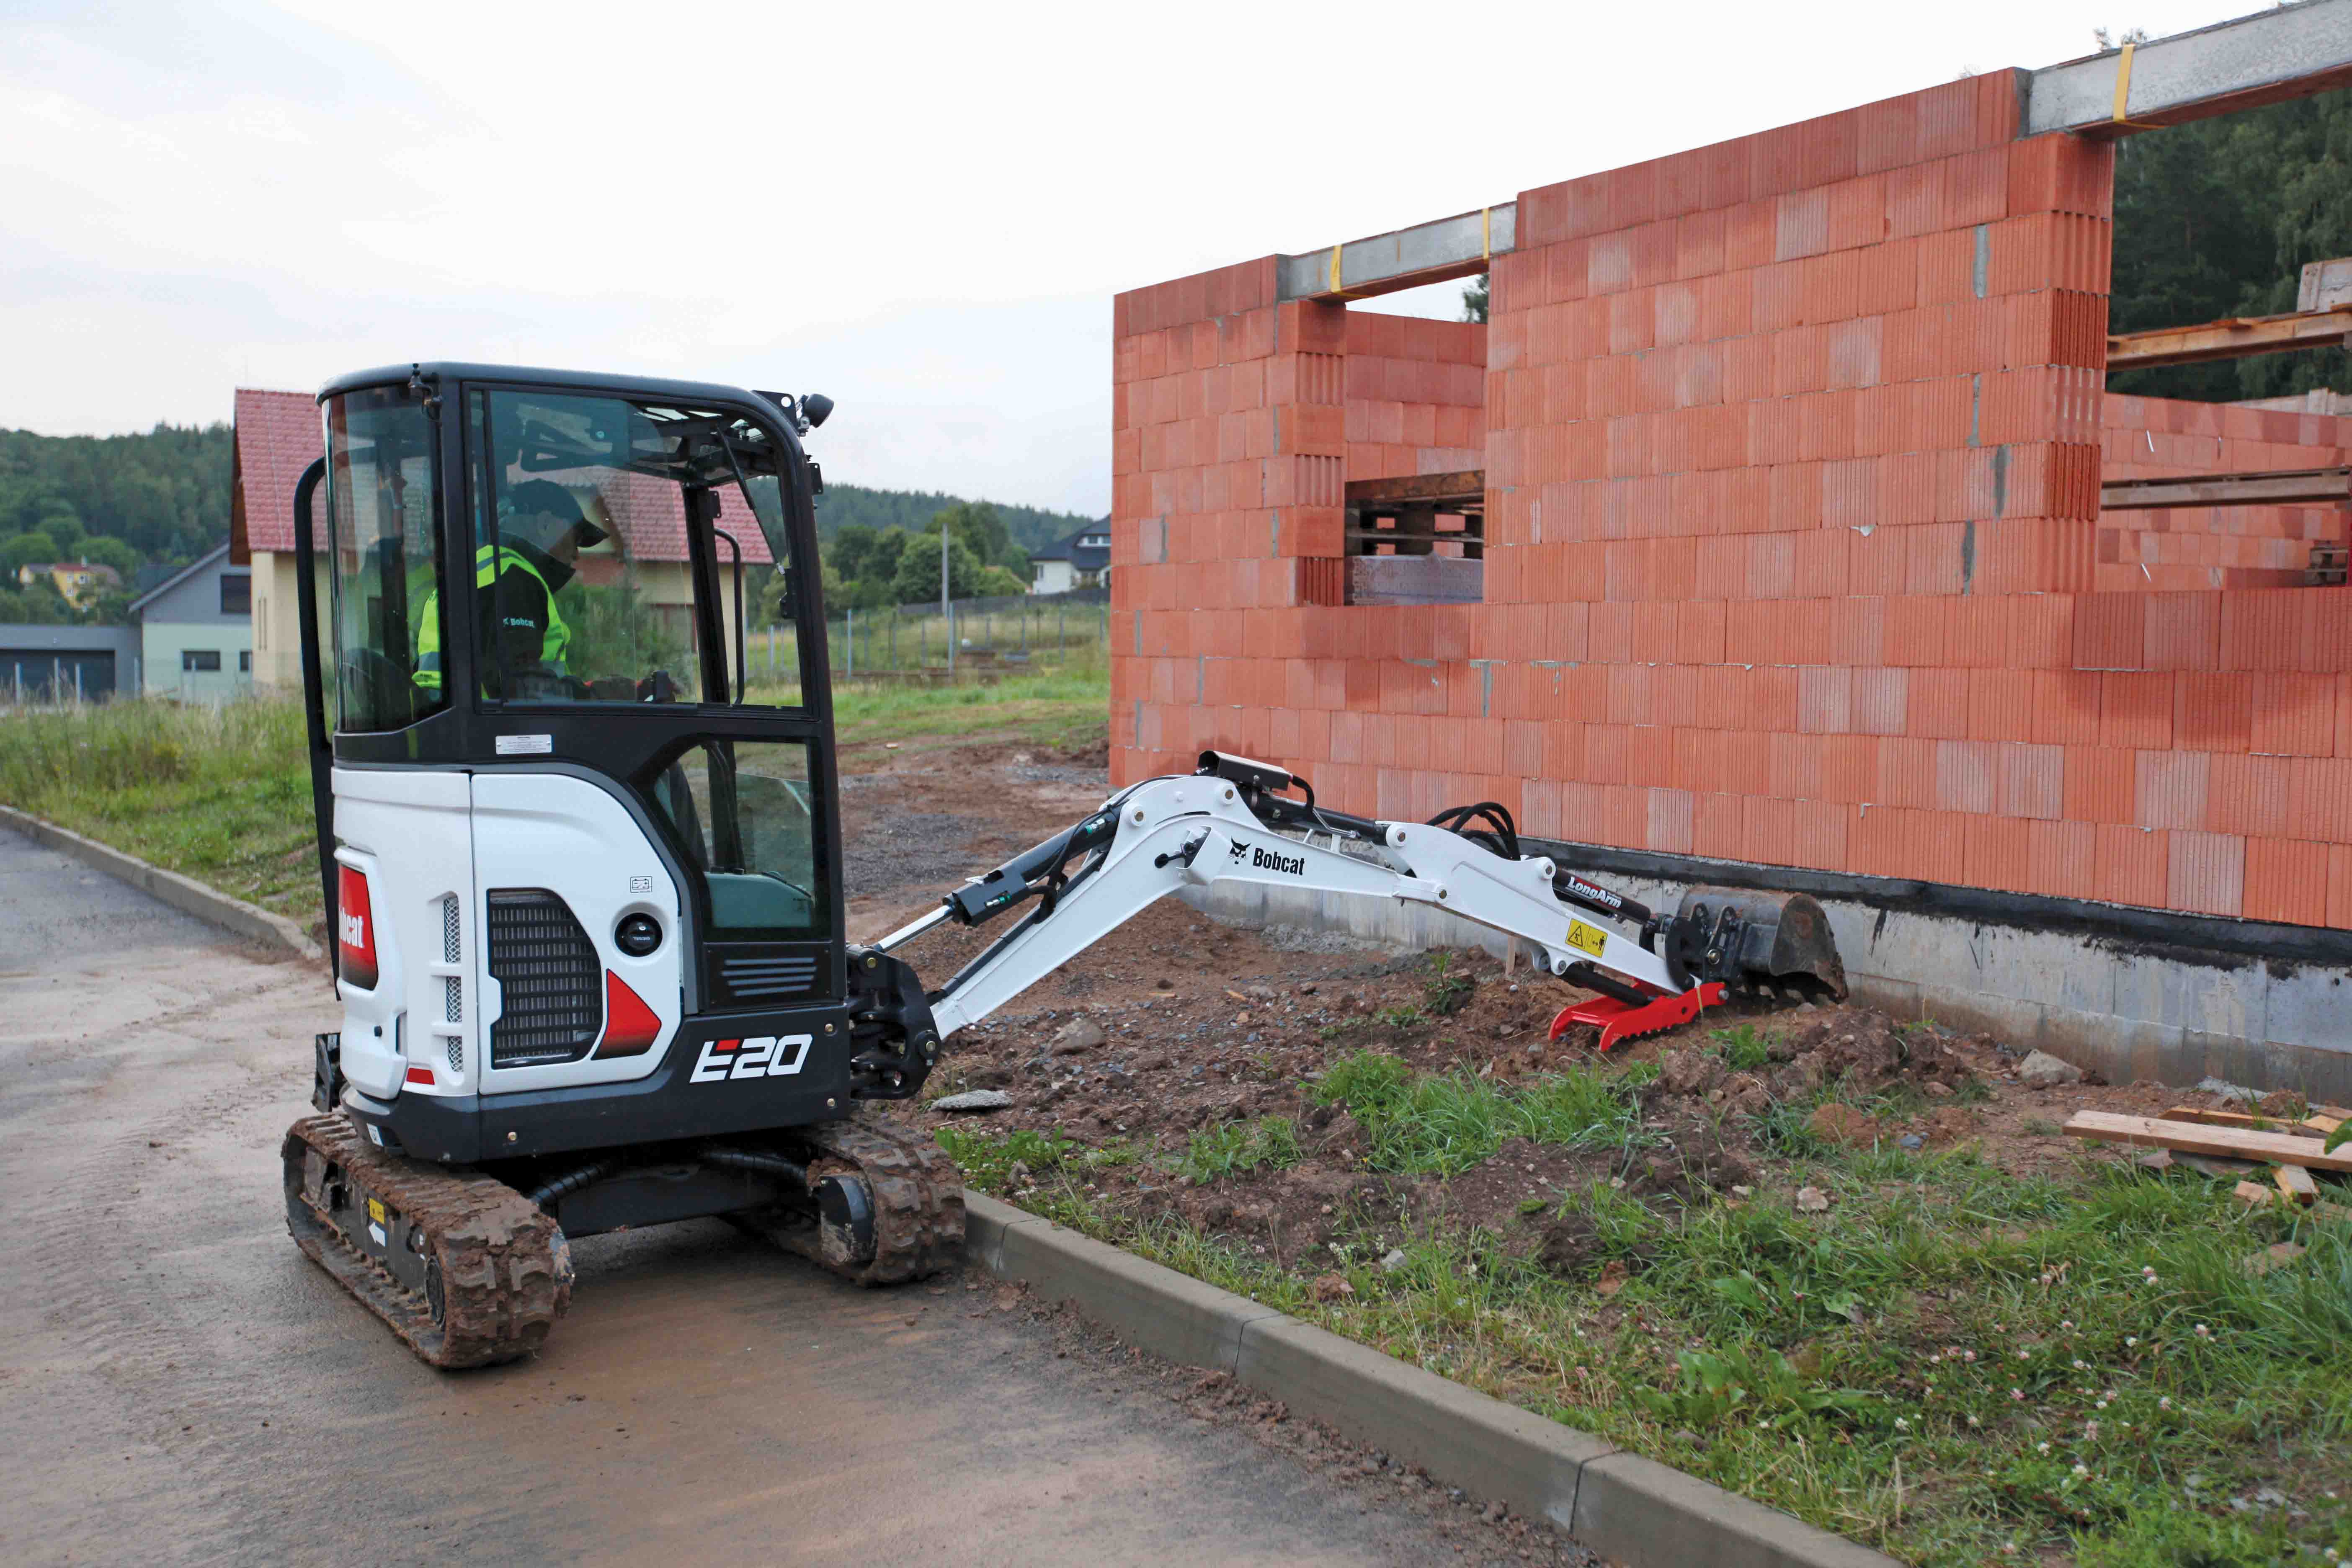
(977, 640)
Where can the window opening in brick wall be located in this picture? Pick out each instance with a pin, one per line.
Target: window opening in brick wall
(1417, 541)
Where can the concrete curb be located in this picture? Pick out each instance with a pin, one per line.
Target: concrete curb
(183, 893)
(1619, 1504)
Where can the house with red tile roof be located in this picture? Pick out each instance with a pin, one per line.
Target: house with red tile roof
(280, 434)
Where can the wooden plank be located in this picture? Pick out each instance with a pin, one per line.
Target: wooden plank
(2296, 1184)
(2239, 1118)
(1461, 485)
(2147, 1132)
(2322, 1125)
(2282, 488)
(2234, 338)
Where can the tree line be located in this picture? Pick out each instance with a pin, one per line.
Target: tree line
(2217, 218)
(160, 498)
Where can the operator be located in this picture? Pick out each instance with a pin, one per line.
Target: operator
(540, 535)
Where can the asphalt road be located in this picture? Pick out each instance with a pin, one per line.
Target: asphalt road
(177, 1384)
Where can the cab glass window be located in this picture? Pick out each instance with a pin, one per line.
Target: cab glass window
(623, 552)
(743, 812)
(385, 573)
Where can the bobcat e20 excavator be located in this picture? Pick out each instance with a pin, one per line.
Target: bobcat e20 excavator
(584, 871)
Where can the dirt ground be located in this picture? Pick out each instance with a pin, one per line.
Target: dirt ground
(1175, 1023)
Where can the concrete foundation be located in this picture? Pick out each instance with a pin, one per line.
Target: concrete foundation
(2175, 1015)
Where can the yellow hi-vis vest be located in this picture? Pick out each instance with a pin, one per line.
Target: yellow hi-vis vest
(489, 562)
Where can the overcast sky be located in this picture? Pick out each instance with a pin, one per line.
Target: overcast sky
(922, 211)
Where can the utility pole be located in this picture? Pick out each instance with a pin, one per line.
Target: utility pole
(947, 604)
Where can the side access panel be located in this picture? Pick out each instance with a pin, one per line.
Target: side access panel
(587, 857)
(409, 1027)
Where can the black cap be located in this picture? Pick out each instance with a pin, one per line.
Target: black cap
(545, 498)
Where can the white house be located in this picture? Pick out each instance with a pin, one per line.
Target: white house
(1081, 561)
(195, 631)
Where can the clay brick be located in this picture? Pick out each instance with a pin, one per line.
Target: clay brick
(2062, 860)
(2319, 799)
(2170, 788)
(2339, 885)
(1967, 775)
(1906, 774)
(2296, 715)
(2031, 781)
(2183, 631)
(2001, 705)
(1938, 703)
(1719, 828)
(2207, 873)
(2285, 881)
(2136, 710)
(1849, 767)
(1999, 853)
(1667, 825)
(2133, 866)
(2248, 795)
(1823, 830)
(2100, 783)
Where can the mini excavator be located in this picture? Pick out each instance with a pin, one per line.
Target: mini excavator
(582, 868)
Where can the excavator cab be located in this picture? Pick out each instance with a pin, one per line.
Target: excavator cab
(578, 848)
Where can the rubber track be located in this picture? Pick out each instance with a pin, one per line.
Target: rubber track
(918, 1201)
(506, 1269)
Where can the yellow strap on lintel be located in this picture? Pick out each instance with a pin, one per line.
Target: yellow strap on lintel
(2123, 82)
(1335, 269)
(1486, 233)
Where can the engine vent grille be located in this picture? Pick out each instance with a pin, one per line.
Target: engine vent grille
(759, 979)
(549, 977)
(457, 1056)
(453, 1000)
(450, 929)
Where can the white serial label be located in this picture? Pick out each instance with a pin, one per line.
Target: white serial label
(641, 884)
(525, 745)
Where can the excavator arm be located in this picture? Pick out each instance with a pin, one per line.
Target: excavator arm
(1236, 822)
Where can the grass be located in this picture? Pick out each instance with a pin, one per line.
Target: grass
(1067, 707)
(1953, 1365)
(1443, 1124)
(223, 794)
(1237, 1148)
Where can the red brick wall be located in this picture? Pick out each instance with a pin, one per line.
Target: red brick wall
(1792, 449)
(2213, 547)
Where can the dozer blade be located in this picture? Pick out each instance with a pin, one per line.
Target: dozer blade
(1623, 1021)
(1764, 940)
(462, 1267)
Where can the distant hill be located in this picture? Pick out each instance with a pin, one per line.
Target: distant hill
(163, 494)
(843, 505)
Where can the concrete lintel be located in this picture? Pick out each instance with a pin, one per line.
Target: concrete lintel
(1458, 246)
(2292, 51)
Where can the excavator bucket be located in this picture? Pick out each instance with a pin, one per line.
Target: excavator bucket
(1766, 942)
